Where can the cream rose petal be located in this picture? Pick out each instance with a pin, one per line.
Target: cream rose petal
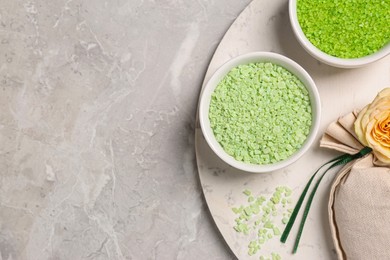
(382, 157)
(366, 126)
(359, 127)
(385, 92)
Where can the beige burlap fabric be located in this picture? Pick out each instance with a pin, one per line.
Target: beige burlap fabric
(359, 203)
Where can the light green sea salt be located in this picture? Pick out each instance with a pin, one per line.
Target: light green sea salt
(276, 256)
(276, 231)
(247, 192)
(254, 218)
(260, 113)
(345, 28)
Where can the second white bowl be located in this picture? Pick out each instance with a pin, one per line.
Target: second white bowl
(253, 57)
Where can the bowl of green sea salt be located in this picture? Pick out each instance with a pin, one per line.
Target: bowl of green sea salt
(342, 33)
(260, 112)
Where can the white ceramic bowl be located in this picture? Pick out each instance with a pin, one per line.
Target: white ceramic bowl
(324, 57)
(274, 58)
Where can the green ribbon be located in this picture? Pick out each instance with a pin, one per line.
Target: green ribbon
(340, 160)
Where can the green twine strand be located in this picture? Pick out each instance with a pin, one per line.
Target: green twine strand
(294, 214)
(340, 160)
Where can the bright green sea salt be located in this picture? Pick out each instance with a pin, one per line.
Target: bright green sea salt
(346, 28)
(260, 113)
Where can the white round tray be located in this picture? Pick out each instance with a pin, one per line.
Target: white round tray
(264, 26)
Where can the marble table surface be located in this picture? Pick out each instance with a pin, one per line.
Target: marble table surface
(98, 122)
(97, 118)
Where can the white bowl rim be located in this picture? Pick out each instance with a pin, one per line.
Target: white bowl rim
(324, 57)
(251, 57)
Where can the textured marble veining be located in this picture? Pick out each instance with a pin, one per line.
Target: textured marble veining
(97, 112)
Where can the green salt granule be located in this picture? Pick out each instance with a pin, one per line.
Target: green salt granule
(248, 211)
(256, 210)
(236, 210)
(260, 113)
(276, 231)
(252, 244)
(275, 200)
(276, 256)
(345, 28)
(260, 200)
(247, 192)
(269, 225)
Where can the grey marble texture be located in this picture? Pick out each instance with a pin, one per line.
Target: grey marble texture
(265, 26)
(97, 114)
